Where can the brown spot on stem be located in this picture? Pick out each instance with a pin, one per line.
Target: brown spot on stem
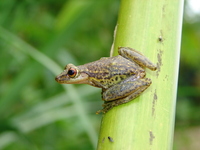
(161, 37)
(103, 140)
(163, 11)
(151, 138)
(154, 103)
(159, 63)
(110, 139)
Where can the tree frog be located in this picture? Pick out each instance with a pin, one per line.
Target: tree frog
(122, 77)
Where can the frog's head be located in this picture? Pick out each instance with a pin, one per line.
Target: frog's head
(72, 75)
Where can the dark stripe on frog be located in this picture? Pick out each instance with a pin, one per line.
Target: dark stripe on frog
(103, 76)
(107, 73)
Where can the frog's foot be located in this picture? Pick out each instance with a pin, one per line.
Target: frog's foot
(106, 107)
(144, 84)
(137, 57)
(104, 110)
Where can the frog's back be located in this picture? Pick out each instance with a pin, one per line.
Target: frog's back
(109, 70)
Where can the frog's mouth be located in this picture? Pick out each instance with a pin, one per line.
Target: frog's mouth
(79, 79)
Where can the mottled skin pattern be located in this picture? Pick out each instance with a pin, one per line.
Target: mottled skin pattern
(122, 78)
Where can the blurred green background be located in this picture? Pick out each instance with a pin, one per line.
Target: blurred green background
(38, 38)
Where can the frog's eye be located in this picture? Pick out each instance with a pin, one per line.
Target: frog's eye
(72, 72)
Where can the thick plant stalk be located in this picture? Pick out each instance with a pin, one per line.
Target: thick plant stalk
(154, 28)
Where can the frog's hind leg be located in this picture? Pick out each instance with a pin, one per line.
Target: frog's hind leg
(139, 85)
(137, 57)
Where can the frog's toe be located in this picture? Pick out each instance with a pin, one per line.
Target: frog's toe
(106, 107)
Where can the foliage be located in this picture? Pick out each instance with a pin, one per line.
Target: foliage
(37, 112)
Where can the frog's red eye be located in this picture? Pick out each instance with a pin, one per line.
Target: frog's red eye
(72, 72)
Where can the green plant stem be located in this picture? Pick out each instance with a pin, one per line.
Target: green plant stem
(153, 28)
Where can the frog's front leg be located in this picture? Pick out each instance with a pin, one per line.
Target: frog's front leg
(124, 92)
(137, 57)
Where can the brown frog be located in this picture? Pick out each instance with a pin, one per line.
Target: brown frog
(122, 77)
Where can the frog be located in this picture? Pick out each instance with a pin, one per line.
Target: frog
(121, 78)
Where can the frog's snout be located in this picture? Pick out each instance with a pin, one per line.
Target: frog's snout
(57, 78)
(61, 79)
